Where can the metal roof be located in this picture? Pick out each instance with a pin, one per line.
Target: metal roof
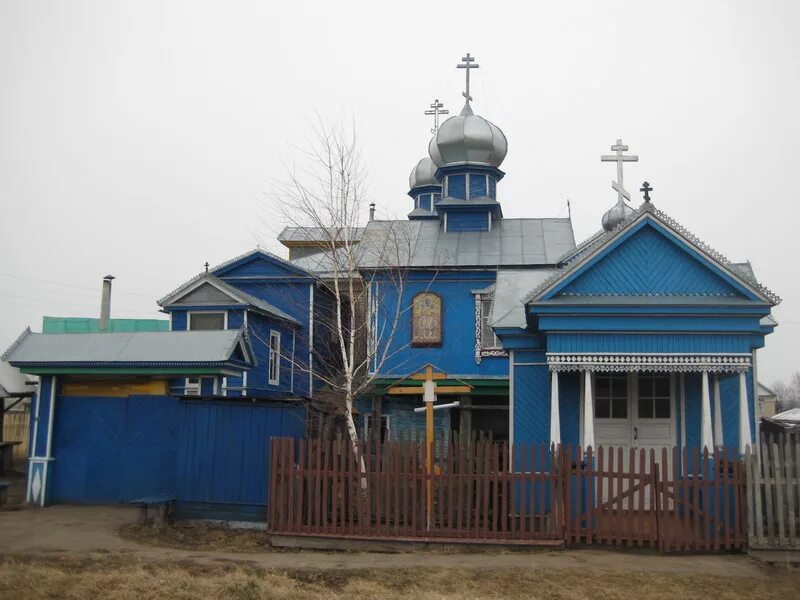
(573, 258)
(234, 292)
(792, 415)
(219, 267)
(170, 347)
(509, 295)
(318, 234)
(423, 244)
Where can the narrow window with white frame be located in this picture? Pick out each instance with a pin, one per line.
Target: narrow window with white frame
(274, 357)
(489, 341)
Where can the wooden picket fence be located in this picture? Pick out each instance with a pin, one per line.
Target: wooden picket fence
(668, 500)
(494, 492)
(773, 492)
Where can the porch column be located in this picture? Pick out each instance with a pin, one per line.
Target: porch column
(588, 411)
(718, 438)
(745, 438)
(706, 436)
(555, 421)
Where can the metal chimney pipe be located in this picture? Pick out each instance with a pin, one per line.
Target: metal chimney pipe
(372, 211)
(105, 302)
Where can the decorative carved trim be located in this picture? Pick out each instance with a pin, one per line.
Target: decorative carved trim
(656, 363)
(480, 296)
(601, 237)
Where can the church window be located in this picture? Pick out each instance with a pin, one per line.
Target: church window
(436, 198)
(492, 188)
(477, 186)
(488, 338)
(207, 321)
(486, 341)
(457, 186)
(426, 320)
(274, 357)
(611, 397)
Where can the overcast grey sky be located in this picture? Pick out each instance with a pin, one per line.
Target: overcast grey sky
(139, 138)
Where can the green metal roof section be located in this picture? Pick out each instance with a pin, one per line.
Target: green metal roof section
(89, 325)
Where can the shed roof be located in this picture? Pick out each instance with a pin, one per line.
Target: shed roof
(136, 348)
(792, 416)
(509, 296)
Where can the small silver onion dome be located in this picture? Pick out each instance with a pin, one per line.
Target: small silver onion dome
(423, 174)
(618, 213)
(468, 138)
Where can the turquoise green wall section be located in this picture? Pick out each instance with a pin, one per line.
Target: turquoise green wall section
(89, 325)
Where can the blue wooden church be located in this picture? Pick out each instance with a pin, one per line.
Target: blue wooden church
(641, 336)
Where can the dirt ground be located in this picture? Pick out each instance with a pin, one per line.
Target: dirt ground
(76, 552)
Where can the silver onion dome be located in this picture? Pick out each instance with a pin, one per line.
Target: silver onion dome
(468, 138)
(618, 213)
(423, 174)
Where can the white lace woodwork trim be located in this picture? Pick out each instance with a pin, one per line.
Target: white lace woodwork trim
(657, 363)
(480, 352)
(601, 238)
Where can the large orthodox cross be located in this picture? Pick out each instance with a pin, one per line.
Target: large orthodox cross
(619, 158)
(437, 108)
(466, 65)
(430, 388)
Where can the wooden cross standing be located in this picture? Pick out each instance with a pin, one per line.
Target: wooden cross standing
(429, 391)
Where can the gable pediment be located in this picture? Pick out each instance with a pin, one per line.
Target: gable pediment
(259, 264)
(650, 260)
(206, 294)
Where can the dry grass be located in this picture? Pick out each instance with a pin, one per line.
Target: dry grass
(122, 578)
(198, 537)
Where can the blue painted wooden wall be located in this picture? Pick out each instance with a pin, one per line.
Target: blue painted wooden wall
(110, 450)
(223, 456)
(456, 355)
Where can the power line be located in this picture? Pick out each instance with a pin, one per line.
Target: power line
(72, 285)
(53, 301)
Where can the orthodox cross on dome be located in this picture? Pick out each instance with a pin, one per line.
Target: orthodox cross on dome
(618, 158)
(646, 188)
(437, 108)
(467, 66)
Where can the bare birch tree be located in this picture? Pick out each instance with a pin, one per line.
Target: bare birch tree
(361, 274)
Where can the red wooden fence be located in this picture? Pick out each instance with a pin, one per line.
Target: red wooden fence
(487, 491)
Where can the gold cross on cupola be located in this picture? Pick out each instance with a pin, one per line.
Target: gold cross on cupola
(467, 66)
(437, 109)
(619, 158)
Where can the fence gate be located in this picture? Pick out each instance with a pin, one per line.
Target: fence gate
(487, 491)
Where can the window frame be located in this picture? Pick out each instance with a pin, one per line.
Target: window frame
(612, 396)
(652, 396)
(423, 343)
(482, 351)
(190, 313)
(274, 359)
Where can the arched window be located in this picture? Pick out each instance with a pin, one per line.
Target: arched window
(426, 320)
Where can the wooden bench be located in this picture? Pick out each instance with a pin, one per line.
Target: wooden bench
(164, 505)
